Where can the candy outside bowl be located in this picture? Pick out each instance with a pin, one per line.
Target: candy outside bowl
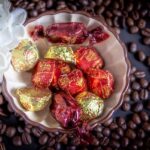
(112, 50)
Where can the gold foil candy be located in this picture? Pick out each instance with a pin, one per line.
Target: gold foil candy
(33, 99)
(24, 56)
(61, 52)
(90, 104)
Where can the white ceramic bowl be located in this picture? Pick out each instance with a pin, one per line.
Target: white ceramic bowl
(112, 50)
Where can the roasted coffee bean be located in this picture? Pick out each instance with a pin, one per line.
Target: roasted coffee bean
(144, 116)
(131, 124)
(2, 146)
(117, 30)
(133, 147)
(143, 12)
(33, 13)
(120, 131)
(148, 60)
(26, 138)
(136, 119)
(114, 144)
(146, 126)
(63, 139)
(132, 78)
(84, 2)
(10, 131)
(20, 129)
(126, 98)
(148, 105)
(129, 7)
(125, 142)
(108, 14)
(130, 134)
(108, 122)
(143, 83)
(107, 2)
(100, 10)
(132, 47)
(30, 6)
(115, 5)
(40, 5)
(98, 128)
(145, 32)
(135, 15)
(49, 4)
(51, 142)
(2, 128)
(141, 23)
(140, 133)
(106, 132)
(140, 74)
(115, 136)
(43, 139)
(126, 106)
(141, 56)
(146, 40)
(104, 141)
(135, 86)
(116, 22)
(144, 94)
(58, 146)
(17, 141)
(95, 141)
(134, 29)
(124, 126)
(137, 107)
(120, 121)
(117, 12)
(135, 96)
(113, 126)
(36, 132)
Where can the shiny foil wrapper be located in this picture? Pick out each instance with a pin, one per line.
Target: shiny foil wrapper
(91, 105)
(100, 82)
(61, 52)
(24, 56)
(88, 57)
(65, 110)
(60, 68)
(33, 99)
(43, 74)
(73, 82)
(71, 33)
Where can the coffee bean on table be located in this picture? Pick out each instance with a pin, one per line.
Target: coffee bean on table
(43, 139)
(141, 56)
(131, 124)
(130, 21)
(115, 136)
(106, 2)
(144, 116)
(139, 74)
(141, 23)
(108, 122)
(117, 12)
(126, 98)
(108, 14)
(109, 21)
(33, 13)
(106, 132)
(125, 142)
(146, 40)
(100, 10)
(36, 132)
(135, 86)
(10, 131)
(2, 146)
(132, 47)
(2, 128)
(137, 107)
(1, 139)
(143, 83)
(148, 105)
(140, 133)
(144, 94)
(1, 100)
(120, 121)
(26, 138)
(130, 134)
(132, 78)
(49, 3)
(145, 32)
(134, 29)
(146, 126)
(136, 119)
(126, 106)
(120, 131)
(135, 15)
(148, 60)
(113, 126)
(129, 7)
(17, 141)
(114, 144)
(135, 96)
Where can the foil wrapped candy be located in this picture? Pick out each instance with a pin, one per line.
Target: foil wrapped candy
(100, 82)
(33, 99)
(87, 57)
(24, 56)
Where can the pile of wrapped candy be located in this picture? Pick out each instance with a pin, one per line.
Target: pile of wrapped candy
(71, 81)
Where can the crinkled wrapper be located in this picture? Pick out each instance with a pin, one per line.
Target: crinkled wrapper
(33, 99)
(61, 52)
(43, 74)
(74, 82)
(100, 82)
(90, 104)
(24, 56)
(88, 57)
(70, 33)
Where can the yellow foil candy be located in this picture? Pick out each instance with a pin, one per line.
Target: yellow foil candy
(24, 56)
(61, 52)
(90, 104)
(33, 99)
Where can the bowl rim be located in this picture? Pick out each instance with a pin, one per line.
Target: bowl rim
(98, 18)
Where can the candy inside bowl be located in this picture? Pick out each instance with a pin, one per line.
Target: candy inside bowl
(88, 69)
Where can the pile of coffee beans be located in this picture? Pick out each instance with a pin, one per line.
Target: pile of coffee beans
(131, 131)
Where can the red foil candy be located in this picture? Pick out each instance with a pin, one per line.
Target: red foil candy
(100, 82)
(87, 57)
(60, 69)
(73, 82)
(65, 110)
(71, 32)
(97, 35)
(44, 73)
(37, 32)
